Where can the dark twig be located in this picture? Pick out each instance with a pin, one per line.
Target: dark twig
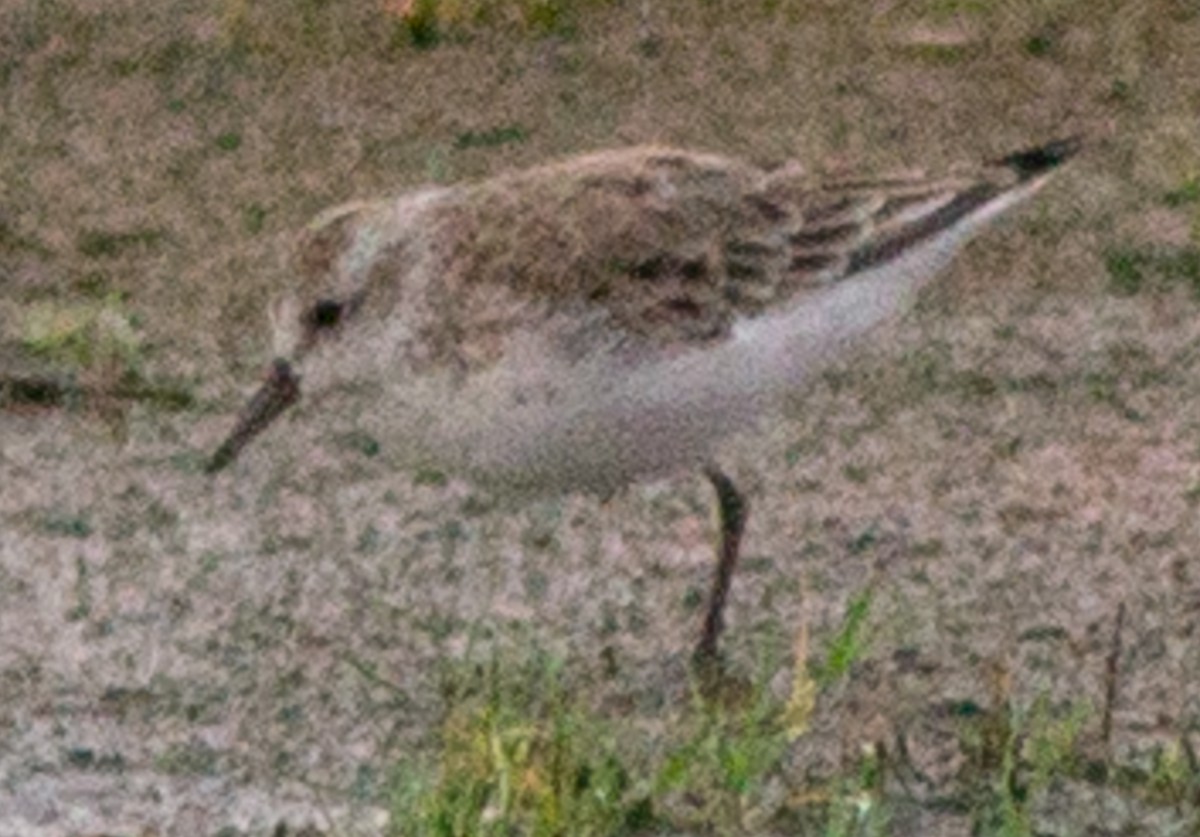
(45, 392)
(1110, 681)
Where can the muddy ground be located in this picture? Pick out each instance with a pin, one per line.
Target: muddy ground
(1007, 467)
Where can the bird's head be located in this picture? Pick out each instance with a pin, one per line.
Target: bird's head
(308, 320)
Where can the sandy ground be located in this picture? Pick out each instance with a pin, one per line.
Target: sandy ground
(1006, 468)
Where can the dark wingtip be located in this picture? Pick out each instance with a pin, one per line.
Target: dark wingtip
(1034, 161)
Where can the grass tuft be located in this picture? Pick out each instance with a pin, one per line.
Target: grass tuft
(1132, 270)
(1188, 193)
(84, 335)
(521, 751)
(847, 645)
(492, 138)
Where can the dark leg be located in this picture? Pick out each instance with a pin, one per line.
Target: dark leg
(732, 511)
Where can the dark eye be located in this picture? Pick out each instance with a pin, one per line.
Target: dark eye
(325, 314)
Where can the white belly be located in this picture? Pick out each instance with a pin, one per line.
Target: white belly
(601, 423)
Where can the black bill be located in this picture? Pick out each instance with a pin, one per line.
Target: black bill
(280, 391)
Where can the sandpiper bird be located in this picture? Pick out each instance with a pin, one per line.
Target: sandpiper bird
(608, 318)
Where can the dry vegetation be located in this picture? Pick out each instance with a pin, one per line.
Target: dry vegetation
(979, 536)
